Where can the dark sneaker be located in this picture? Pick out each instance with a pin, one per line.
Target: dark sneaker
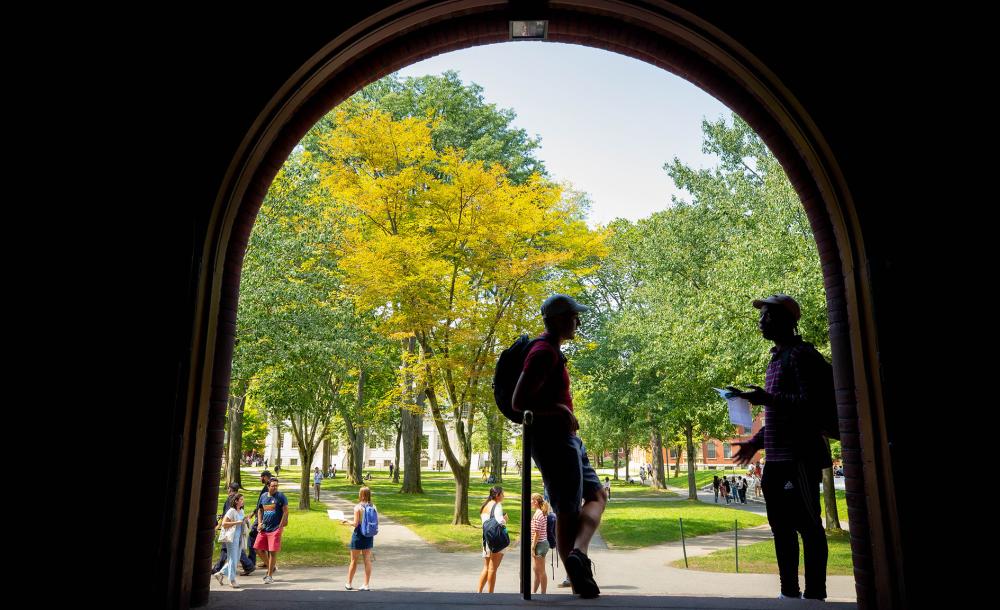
(578, 566)
(250, 571)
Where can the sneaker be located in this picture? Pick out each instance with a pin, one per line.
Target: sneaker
(783, 596)
(364, 588)
(250, 571)
(348, 587)
(565, 583)
(234, 585)
(268, 580)
(578, 566)
(218, 576)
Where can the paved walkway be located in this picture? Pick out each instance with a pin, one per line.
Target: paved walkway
(426, 577)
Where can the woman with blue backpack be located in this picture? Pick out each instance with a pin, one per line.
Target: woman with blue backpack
(495, 537)
(365, 526)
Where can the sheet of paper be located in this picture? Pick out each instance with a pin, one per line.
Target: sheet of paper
(336, 515)
(739, 409)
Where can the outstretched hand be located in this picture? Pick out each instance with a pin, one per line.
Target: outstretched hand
(757, 395)
(744, 454)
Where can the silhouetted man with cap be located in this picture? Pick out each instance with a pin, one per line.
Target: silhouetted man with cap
(569, 479)
(798, 388)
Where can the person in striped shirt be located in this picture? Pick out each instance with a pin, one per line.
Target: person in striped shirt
(539, 541)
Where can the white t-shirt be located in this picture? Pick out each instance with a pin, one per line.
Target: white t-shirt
(317, 478)
(489, 510)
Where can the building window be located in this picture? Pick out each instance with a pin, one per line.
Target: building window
(424, 463)
(295, 462)
(295, 443)
(425, 441)
(371, 462)
(386, 463)
(727, 450)
(710, 451)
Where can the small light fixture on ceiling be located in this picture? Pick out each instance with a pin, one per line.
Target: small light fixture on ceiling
(529, 30)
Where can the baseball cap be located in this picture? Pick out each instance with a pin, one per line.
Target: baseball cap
(782, 300)
(559, 304)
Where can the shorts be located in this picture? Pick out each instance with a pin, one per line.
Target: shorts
(268, 541)
(566, 470)
(359, 542)
(542, 548)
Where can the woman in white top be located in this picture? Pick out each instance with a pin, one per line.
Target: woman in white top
(491, 559)
(234, 518)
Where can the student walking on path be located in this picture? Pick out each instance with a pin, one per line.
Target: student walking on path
(234, 530)
(272, 514)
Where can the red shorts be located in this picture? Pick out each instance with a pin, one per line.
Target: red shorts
(268, 541)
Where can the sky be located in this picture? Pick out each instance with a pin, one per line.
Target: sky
(607, 122)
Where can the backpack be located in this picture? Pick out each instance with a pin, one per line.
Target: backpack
(508, 371)
(495, 534)
(550, 529)
(824, 413)
(369, 521)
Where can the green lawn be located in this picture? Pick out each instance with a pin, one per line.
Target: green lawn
(759, 558)
(310, 539)
(629, 525)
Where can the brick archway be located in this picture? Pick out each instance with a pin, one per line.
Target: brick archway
(660, 34)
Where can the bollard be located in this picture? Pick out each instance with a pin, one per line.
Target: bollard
(736, 543)
(683, 544)
(526, 506)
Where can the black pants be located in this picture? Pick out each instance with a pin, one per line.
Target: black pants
(791, 492)
(250, 540)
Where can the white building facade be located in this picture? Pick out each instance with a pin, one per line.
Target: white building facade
(375, 457)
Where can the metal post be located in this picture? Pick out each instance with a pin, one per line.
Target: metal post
(526, 507)
(683, 544)
(736, 538)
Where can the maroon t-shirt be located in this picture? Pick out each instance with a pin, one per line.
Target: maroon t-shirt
(545, 361)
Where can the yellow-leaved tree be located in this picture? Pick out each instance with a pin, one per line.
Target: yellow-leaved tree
(456, 258)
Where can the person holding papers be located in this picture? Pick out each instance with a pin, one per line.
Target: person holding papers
(797, 399)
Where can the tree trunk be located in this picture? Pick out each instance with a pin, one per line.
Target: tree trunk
(461, 513)
(677, 462)
(692, 488)
(656, 442)
(305, 482)
(235, 439)
(326, 455)
(627, 480)
(281, 441)
(399, 437)
(617, 458)
(830, 499)
(412, 421)
(359, 456)
(494, 432)
(354, 450)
